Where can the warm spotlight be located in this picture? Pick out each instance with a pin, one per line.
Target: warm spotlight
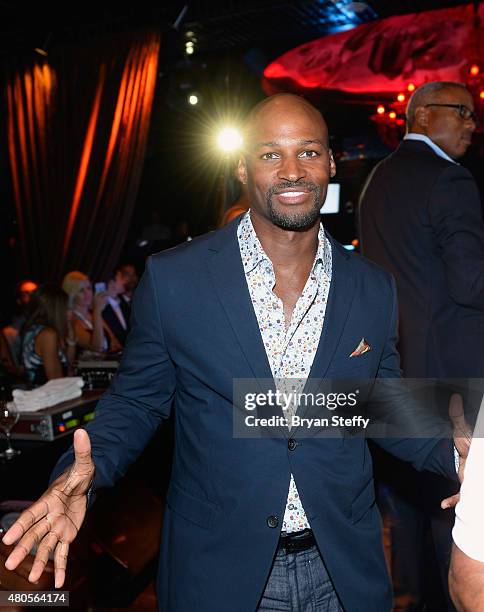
(474, 70)
(401, 97)
(229, 140)
(193, 99)
(481, 95)
(392, 115)
(411, 87)
(380, 109)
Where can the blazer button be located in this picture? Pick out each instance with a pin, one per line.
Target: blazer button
(291, 444)
(272, 521)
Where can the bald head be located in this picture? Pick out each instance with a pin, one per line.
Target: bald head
(281, 106)
(436, 91)
(444, 112)
(286, 163)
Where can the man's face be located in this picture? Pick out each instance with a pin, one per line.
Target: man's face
(446, 127)
(116, 285)
(129, 277)
(287, 165)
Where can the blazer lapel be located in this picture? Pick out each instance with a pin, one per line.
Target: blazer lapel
(228, 278)
(230, 285)
(340, 300)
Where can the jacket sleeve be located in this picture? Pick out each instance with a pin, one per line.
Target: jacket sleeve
(140, 397)
(456, 218)
(425, 440)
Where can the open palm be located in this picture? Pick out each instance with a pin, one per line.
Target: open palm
(54, 520)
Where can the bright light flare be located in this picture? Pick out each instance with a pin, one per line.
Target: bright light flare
(193, 99)
(380, 109)
(229, 139)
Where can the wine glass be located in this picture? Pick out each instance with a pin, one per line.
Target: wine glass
(9, 415)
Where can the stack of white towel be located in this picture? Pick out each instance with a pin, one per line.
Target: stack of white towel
(52, 393)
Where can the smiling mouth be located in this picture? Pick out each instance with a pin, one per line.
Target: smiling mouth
(292, 197)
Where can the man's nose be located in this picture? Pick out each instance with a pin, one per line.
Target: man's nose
(472, 123)
(291, 170)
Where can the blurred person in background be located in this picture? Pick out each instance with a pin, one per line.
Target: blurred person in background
(47, 337)
(466, 575)
(130, 279)
(86, 312)
(115, 314)
(23, 293)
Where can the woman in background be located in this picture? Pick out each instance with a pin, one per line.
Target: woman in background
(86, 312)
(47, 340)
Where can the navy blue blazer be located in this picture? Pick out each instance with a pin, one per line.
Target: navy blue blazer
(193, 331)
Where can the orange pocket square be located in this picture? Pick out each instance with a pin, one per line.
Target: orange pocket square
(363, 347)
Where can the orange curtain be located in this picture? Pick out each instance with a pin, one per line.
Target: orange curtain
(77, 130)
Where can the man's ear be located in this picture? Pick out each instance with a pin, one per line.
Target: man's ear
(241, 171)
(332, 165)
(421, 116)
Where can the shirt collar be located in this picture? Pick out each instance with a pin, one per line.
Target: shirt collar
(113, 301)
(431, 144)
(253, 254)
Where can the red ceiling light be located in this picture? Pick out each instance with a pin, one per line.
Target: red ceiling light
(392, 115)
(474, 70)
(481, 95)
(401, 97)
(380, 109)
(411, 87)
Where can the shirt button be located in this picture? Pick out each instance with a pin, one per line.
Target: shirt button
(291, 444)
(272, 521)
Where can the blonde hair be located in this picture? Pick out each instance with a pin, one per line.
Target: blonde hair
(72, 284)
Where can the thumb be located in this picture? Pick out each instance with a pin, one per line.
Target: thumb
(82, 451)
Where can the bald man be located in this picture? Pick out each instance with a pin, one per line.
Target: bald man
(421, 219)
(272, 518)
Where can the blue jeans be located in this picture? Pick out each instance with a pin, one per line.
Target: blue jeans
(299, 582)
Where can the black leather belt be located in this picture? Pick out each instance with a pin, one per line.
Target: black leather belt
(296, 541)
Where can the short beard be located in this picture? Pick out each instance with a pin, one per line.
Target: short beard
(297, 222)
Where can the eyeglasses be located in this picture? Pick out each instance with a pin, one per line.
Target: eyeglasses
(464, 112)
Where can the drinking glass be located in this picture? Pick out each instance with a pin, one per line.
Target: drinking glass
(9, 415)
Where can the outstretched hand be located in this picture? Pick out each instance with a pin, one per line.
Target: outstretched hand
(462, 442)
(53, 521)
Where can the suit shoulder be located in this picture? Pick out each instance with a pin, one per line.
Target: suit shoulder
(188, 251)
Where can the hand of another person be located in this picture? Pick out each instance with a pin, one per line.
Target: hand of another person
(462, 442)
(100, 301)
(54, 520)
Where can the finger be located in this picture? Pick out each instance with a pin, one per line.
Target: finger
(83, 465)
(60, 563)
(32, 538)
(25, 521)
(450, 502)
(45, 549)
(456, 414)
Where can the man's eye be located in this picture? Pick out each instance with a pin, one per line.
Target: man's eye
(309, 154)
(269, 156)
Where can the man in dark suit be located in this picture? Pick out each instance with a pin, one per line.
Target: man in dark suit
(420, 218)
(116, 311)
(250, 521)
